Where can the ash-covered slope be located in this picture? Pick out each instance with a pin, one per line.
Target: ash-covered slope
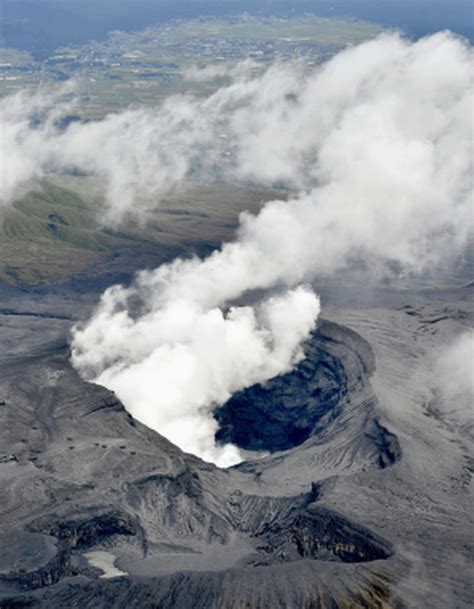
(84, 482)
(342, 519)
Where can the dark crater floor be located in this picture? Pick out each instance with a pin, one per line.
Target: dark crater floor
(289, 409)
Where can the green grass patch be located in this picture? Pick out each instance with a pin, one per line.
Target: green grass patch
(54, 231)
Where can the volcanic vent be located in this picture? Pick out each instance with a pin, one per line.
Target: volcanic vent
(310, 401)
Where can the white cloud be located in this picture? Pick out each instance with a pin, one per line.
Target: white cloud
(388, 122)
(378, 143)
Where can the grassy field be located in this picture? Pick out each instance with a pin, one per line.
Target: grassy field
(53, 233)
(309, 30)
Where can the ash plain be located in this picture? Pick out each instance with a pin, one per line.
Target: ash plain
(363, 497)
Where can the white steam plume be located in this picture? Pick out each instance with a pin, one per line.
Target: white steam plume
(179, 358)
(378, 141)
(453, 378)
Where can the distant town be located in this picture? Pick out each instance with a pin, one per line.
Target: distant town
(142, 67)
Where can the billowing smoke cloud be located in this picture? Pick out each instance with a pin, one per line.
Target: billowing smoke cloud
(181, 356)
(378, 144)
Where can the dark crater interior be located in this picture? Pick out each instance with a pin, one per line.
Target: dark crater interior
(289, 409)
(321, 534)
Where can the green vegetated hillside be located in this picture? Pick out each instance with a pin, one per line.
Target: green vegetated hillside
(55, 230)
